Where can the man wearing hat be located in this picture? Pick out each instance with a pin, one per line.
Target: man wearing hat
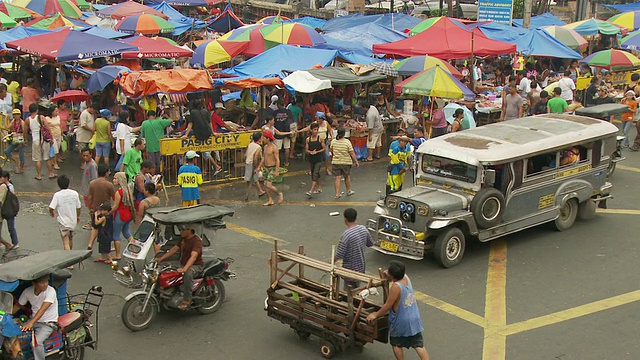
(216, 119)
(191, 262)
(399, 152)
(270, 165)
(189, 178)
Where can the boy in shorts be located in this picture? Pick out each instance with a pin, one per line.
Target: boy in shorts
(253, 155)
(66, 204)
(104, 223)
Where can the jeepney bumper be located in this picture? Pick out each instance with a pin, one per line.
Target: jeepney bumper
(391, 237)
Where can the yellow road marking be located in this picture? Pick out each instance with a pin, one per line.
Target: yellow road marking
(628, 168)
(572, 313)
(618, 211)
(450, 309)
(303, 203)
(495, 310)
(255, 234)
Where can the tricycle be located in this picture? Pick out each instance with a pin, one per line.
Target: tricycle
(159, 285)
(76, 328)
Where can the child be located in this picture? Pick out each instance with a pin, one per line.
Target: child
(105, 232)
(253, 156)
(5, 178)
(315, 147)
(628, 117)
(189, 178)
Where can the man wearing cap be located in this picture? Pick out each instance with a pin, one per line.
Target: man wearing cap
(216, 120)
(270, 165)
(152, 131)
(399, 152)
(18, 129)
(189, 178)
(190, 246)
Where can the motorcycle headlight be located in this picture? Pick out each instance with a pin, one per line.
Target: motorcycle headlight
(410, 208)
(402, 206)
(145, 277)
(423, 210)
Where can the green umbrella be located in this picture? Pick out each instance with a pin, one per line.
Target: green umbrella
(6, 21)
(17, 12)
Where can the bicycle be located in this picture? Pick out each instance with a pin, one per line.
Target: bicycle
(3, 158)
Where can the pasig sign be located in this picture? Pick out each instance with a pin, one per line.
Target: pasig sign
(234, 140)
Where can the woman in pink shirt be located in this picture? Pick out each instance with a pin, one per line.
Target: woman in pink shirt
(438, 122)
(30, 96)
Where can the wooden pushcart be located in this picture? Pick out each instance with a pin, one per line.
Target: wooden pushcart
(337, 317)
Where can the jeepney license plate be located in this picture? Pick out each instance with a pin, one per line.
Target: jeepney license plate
(387, 245)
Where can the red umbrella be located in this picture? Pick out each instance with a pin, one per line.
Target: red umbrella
(129, 8)
(70, 96)
(153, 48)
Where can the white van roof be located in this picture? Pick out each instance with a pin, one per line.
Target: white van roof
(512, 139)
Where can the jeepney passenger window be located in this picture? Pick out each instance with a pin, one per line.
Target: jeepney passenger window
(596, 152)
(540, 164)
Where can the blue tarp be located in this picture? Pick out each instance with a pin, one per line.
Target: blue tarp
(360, 39)
(624, 7)
(19, 32)
(178, 2)
(395, 21)
(272, 62)
(360, 59)
(104, 32)
(501, 32)
(309, 20)
(539, 43)
(226, 21)
(180, 22)
(546, 19)
(236, 96)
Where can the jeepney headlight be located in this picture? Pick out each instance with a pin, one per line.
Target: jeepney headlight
(387, 225)
(402, 206)
(395, 228)
(423, 210)
(392, 203)
(441, 212)
(410, 208)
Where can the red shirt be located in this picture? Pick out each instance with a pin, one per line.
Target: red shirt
(64, 116)
(216, 122)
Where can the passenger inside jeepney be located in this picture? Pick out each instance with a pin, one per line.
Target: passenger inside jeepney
(570, 156)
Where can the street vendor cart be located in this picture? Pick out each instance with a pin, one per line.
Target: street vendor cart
(336, 316)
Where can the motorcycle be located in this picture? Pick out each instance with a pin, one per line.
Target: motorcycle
(76, 329)
(160, 284)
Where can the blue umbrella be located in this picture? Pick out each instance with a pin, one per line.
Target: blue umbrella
(104, 32)
(466, 120)
(103, 77)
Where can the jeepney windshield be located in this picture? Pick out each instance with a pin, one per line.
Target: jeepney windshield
(447, 168)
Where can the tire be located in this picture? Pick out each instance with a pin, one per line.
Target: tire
(75, 354)
(587, 210)
(214, 300)
(449, 247)
(131, 316)
(302, 335)
(487, 207)
(327, 349)
(567, 216)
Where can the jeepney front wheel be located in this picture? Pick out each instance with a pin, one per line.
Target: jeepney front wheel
(449, 247)
(567, 216)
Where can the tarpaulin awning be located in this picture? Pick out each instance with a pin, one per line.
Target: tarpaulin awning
(247, 82)
(624, 7)
(446, 40)
(104, 32)
(354, 58)
(309, 20)
(129, 8)
(180, 22)
(501, 32)
(153, 48)
(360, 39)
(181, 2)
(35, 266)
(226, 21)
(144, 83)
(310, 81)
(546, 19)
(272, 62)
(539, 43)
(69, 45)
(303, 82)
(394, 21)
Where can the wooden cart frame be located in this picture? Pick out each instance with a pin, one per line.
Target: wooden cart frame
(334, 315)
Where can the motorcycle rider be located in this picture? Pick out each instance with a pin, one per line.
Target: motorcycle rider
(190, 246)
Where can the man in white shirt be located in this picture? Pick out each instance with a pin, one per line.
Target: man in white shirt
(567, 86)
(524, 88)
(66, 203)
(44, 306)
(375, 127)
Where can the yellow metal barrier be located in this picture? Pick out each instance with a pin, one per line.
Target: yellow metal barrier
(227, 150)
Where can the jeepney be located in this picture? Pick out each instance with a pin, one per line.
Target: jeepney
(495, 180)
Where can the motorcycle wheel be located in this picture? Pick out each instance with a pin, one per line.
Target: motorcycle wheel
(74, 354)
(214, 298)
(133, 317)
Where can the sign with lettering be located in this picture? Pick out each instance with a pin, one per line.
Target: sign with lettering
(499, 11)
(234, 140)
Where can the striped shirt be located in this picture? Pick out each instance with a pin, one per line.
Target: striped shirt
(341, 150)
(351, 247)
(189, 177)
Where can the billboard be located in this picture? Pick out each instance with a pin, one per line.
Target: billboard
(499, 11)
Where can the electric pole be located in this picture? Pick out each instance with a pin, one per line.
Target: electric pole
(526, 16)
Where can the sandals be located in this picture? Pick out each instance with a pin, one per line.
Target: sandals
(351, 192)
(309, 194)
(338, 197)
(87, 227)
(319, 191)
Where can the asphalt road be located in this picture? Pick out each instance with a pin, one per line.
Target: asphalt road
(538, 294)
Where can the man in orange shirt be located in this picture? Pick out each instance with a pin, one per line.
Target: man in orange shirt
(627, 118)
(30, 96)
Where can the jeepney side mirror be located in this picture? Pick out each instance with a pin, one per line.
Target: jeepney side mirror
(490, 176)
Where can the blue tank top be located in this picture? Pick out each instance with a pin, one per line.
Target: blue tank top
(405, 322)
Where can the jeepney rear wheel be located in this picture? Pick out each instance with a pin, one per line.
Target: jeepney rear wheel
(449, 247)
(327, 349)
(587, 210)
(567, 216)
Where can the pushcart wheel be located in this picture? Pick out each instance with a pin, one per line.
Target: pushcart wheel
(302, 335)
(327, 349)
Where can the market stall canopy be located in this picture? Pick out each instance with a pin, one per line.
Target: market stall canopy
(144, 83)
(501, 32)
(19, 32)
(624, 7)
(69, 45)
(303, 82)
(181, 22)
(354, 58)
(17, 12)
(104, 32)
(631, 41)
(568, 37)
(292, 34)
(226, 21)
(434, 82)
(268, 20)
(6, 21)
(360, 39)
(629, 19)
(47, 7)
(252, 34)
(428, 23)
(153, 48)
(215, 52)
(539, 43)
(56, 21)
(129, 8)
(546, 19)
(274, 61)
(393, 21)
(144, 24)
(182, 2)
(310, 81)
(445, 40)
(593, 27)
(103, 77)
(611, 59)
(415, 64)
(247, 82)
(311, 21)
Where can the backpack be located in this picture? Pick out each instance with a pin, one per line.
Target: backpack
(10, 206)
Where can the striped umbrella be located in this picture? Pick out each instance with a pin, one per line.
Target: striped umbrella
(56, 21)
(385, 68)
(434, 82)
(568, 37)
(415, 64)
(631, 41)
(17, 12)
(629, 20)
(427, 23)
(144, 24)
(268, 20)
(252, 34)
(593, 27)
(217, 51)
(46, 7)
(292, 34)
(612, 58)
